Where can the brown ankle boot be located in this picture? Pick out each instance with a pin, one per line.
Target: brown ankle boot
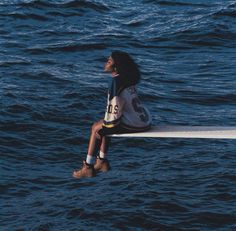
(86, 171)
(102, 165)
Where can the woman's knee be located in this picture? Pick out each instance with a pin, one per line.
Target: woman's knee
(97, 126)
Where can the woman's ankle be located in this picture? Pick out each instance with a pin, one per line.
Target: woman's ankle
(90, 160)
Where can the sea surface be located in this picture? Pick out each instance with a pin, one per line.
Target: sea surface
(53, 87)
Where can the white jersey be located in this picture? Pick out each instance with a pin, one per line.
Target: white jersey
(124, 107)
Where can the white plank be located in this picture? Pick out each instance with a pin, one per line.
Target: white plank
(214, 132)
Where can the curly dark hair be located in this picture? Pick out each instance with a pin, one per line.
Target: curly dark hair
(126, 67)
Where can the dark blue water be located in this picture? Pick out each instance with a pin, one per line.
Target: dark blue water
(52, 88)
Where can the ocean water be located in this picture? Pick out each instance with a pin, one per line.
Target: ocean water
(53, 87)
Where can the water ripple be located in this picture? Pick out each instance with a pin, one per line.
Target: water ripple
(52, 88)
(69, 4)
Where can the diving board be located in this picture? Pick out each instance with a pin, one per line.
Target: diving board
(208, 132)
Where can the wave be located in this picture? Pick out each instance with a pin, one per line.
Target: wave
(215, 219)
(66, 48)
(229, 11)
(208, 35)
(217, 36)
(12, 142)
(78, 47)
(213, 100)
(14, 63)
(4, 32)
(201, 29)
(19, 108)
(85, 4)
(171, 3)
(26, 16)
(65, 15)
(225, 13)
(18, 127)
(44, 76)
(70, 4)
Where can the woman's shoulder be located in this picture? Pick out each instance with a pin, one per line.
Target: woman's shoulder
(130, 90)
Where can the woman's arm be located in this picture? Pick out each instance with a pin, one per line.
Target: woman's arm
(113, 115)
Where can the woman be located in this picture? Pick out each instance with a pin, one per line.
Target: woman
(124, 113)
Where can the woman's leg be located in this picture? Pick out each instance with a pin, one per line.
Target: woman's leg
(97, 142)
(104, 146)
(98, 147)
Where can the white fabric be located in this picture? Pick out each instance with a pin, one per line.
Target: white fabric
(90, 159)
(128, 109)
